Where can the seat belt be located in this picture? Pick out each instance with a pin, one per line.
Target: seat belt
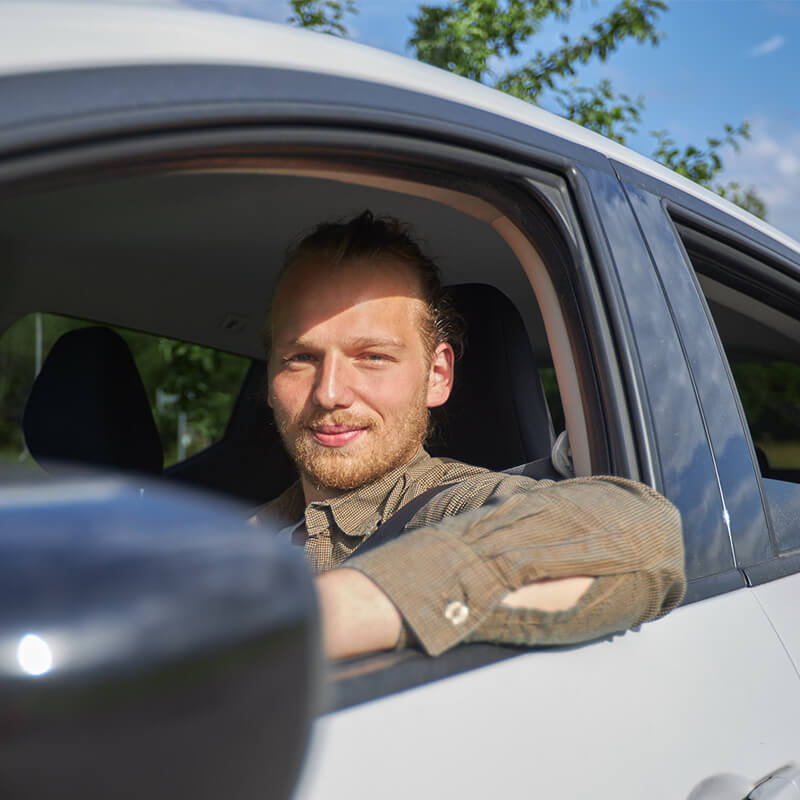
(396, 524)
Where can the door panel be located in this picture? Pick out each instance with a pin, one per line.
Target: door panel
(652, 713)
(780, 600)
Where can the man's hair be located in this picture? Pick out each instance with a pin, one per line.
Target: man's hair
(380, 238)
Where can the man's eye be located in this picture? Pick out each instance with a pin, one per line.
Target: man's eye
(299, 358)
(374, 358)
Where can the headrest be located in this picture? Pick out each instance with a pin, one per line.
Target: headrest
(497, 414)
(249, 461)
(88, 405)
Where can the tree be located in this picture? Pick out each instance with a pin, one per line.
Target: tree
(474, 38)
(324, 16)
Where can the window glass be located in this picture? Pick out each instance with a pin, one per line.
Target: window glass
(761, 338)
(770, 394)
(191, 388)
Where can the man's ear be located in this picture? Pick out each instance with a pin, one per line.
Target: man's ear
(440, 377)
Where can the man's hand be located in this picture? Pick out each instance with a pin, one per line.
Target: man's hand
(357, 617)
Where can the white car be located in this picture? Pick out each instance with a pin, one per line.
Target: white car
(154, 165)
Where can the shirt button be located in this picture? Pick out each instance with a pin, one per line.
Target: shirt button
(456, 612)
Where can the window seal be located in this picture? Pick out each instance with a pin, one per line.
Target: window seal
(779, 567)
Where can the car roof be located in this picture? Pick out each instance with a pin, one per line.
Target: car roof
(40, 37)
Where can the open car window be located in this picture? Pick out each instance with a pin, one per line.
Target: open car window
(190, 254)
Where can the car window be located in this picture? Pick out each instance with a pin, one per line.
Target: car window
(191, 389)
(758, 325)
(173, 251)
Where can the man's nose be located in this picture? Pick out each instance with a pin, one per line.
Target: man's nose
(332, 388)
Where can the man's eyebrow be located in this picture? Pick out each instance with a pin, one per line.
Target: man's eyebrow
(373, 341)
(355, 342)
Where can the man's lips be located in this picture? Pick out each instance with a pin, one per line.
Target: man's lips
(337, 435)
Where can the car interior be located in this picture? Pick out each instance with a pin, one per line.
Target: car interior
(193, 253)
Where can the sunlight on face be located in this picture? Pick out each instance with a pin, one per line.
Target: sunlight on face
(349, 372)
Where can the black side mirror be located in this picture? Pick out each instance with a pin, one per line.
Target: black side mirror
(151, 645)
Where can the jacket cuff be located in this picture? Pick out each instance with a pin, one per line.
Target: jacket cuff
(441, 588)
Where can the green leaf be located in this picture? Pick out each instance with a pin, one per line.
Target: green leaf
(324, 16)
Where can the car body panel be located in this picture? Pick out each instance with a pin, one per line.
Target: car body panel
(695, 699)
(779, 599)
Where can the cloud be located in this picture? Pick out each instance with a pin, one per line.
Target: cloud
(768, 46)
(770, 163)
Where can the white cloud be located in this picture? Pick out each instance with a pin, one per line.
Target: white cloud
(770, 162)
(768, 46)
(789, 165)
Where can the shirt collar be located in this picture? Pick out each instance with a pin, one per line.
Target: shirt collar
(360, 511)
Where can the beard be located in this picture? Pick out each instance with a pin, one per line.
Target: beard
(384, 445)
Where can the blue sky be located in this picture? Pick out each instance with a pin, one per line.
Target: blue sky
(720, 61)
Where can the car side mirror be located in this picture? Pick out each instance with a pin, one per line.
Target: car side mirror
(151, 645)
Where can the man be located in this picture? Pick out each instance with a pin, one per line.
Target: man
(360, 345)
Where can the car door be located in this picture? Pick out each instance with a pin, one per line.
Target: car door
(707, 692)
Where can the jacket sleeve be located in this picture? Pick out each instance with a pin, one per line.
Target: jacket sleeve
(448, 579)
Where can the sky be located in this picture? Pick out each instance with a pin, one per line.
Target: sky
(720, 61)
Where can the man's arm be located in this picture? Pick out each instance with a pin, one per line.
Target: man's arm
(357, 617)
(476, 575)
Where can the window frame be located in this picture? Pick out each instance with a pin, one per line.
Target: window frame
(535, 196)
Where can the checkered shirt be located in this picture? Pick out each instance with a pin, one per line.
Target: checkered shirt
(491, 533)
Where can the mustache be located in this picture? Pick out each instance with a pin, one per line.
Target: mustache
(316, 420)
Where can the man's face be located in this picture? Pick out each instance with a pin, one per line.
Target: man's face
(350, 377)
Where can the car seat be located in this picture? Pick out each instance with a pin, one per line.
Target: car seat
(497, 415)
(249, 461)
(88, 407)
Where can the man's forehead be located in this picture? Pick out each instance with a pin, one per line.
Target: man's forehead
(376, 272)
(319, 289)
